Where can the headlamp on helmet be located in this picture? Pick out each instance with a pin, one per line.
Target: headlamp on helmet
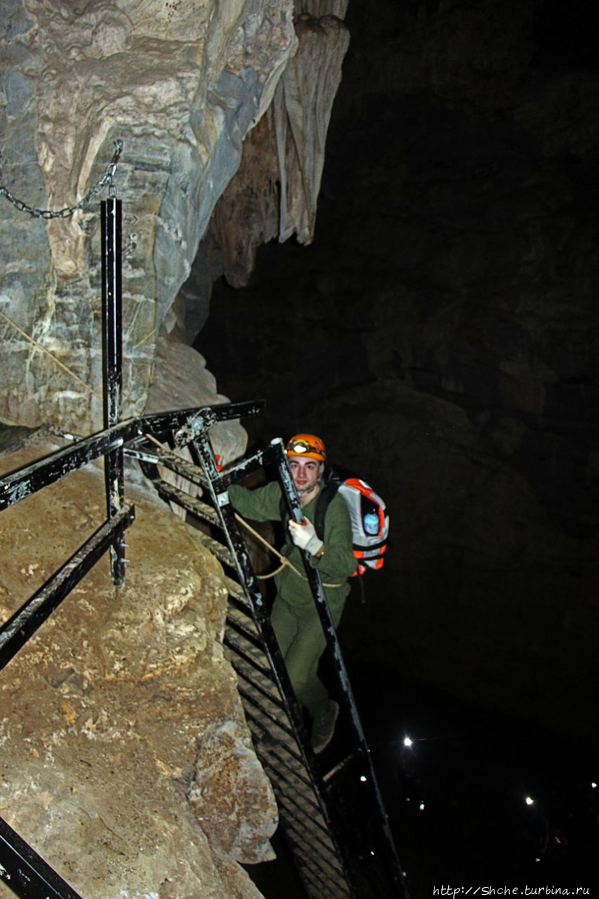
(308, 445)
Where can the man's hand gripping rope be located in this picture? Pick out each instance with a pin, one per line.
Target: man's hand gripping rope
(303, 535)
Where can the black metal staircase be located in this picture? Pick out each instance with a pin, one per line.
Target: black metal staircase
(331, 810)
(330, 807)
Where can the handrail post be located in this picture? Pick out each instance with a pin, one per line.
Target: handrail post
(112, 355)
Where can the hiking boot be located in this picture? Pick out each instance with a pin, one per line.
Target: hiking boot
(323, 727)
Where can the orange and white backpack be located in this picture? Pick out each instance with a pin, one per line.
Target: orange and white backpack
(367, 512)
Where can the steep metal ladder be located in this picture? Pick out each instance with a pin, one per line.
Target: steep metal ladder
(330, 807)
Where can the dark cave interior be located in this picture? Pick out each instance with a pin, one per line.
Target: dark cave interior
(441, 334)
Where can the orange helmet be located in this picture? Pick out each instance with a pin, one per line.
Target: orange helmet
(308, 445)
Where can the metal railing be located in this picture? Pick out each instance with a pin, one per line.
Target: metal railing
(21, 868)
(332, 816)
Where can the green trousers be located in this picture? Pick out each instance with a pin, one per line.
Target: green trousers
(302, 641)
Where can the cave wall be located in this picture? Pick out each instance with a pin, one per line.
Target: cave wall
(441, 333)
(274, 192)
(181, 84)
(126, 758)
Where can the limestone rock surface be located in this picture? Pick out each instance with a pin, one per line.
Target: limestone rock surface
(181, 84)
(180, 379)
(274, 192)
(126, 760)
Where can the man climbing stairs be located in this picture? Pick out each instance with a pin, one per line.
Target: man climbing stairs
(331, 810)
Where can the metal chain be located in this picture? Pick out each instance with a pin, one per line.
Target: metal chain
(106, 179)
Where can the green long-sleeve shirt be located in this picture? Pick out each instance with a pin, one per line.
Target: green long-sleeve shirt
(337, 562)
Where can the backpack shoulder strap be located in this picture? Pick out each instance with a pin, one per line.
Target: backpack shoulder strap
(333, 478)
(322, 504)
(283, 510)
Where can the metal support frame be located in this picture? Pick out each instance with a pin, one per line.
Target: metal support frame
(28, 480)
(186, 423)
(112, 357)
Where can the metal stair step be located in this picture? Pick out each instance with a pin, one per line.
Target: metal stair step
(269, 716)
(289, 770)
(279, 757)
(319, 889)
(237, 592)
(247, 652)
(224, 555)
(320, 882)
(312, 857)
(260, 689)
(245, 629)
(280, 746)
(300, 798)
(274, 727)
(190, 503)
(157, 455)
(313, 825)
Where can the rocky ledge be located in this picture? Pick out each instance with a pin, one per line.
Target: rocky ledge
(126, 759)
